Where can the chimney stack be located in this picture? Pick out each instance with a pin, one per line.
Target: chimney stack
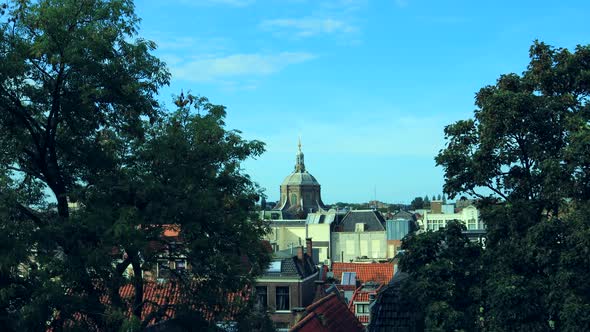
(300, 253)
(309, 247)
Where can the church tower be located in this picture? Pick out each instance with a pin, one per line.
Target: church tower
(300, 191)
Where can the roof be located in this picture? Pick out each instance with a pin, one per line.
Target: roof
(292, 267)
(373, 221)
(163, 298)
(300, 179)
(326, 315)
(362, 295)
(404, 215)
(391, 312)
(380, 273)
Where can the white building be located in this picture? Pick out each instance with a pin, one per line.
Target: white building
(469, 216)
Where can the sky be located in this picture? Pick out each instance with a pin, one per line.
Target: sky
(368, 85)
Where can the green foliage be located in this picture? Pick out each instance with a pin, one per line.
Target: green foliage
(417, 203)
(525, 155)
(444, 281)
(79, 122)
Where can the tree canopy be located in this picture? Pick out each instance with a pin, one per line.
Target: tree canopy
(524, 155)
(92, 169)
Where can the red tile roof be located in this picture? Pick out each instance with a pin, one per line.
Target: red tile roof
(165, 296)
(328, 314)
(380, 273)
(362, 295)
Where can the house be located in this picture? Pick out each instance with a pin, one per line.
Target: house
(398, 226)
(380, 273)
(360, 236)
(329, 314)
(362, 299)
(288, 286)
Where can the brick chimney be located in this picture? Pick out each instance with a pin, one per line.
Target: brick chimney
(300, 253)
(309, 247)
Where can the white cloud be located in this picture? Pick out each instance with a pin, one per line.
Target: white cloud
(236, 65)
(307, 27)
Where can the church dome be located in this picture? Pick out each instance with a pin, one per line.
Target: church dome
(300, 179)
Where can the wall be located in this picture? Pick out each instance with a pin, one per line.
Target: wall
(301, 294)
(469, 216)
(357, 244)
(285, 235)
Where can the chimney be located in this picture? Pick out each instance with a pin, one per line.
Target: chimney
(309, 247)
(300, 253)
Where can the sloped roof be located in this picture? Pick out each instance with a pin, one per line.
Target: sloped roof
(380, 273)
(362, 295)
(391, 312)
(328, 314)
(164, 298)
(292, 267)
(405, 215)
(373, 221)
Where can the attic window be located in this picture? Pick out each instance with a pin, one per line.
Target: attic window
(275, 266)
(359, 227)
(348, 278)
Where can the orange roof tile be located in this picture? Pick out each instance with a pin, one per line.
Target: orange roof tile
(328, 314)
(362, 294)
(380, 273)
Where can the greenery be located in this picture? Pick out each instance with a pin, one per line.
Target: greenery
(80, 123)
(525, 156)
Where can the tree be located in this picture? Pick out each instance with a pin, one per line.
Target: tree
(444, 278)
(79, 123)
(417, 203)
(525, 156)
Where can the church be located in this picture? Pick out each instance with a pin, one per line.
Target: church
(300, 192)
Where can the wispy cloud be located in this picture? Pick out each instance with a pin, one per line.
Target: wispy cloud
(213, 69)
(307, 27)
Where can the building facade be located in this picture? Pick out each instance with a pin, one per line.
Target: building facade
(360, 236)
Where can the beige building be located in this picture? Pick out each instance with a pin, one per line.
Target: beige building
(288, 234)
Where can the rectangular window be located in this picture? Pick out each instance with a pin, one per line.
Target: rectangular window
(261, 297)
(376, 248)
(180, 265)
(163, 269)
(364, 248)
(349, 247)
(282, 298)
(362, 309)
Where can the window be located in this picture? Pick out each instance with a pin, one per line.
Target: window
(376, 248)
(180, 265)
(349, 247)
(163, 269)
(364, 248)
(362, 309)
(293, 199)
(348, 278)
(282, 298)
(261, 297)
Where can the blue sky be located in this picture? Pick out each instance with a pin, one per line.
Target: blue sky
(368, 85)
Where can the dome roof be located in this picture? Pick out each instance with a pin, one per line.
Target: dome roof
(300, 179)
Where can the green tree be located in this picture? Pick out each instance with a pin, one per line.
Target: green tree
(80, 123)
(417, 203)
(444, 278)
(525, 156)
